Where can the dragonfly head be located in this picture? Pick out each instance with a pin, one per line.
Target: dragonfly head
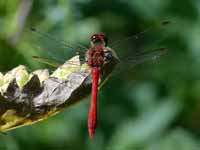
(99, 38)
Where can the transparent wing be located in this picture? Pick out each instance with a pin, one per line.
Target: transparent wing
(51, 62)
(150, 38)
(142, 57)
(54, 47)
(142, 34)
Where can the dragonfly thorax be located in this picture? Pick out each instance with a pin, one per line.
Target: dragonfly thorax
(95, 55)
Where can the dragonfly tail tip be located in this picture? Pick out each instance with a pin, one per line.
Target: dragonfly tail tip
(91, 134)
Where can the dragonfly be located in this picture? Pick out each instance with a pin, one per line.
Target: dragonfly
(98, 54)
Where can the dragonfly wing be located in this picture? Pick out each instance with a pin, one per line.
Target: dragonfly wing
(51, 62)
(149, 38)
(146, 56)
(142, 34)
(53, 46)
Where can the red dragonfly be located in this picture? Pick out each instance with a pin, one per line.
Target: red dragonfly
(95, 56)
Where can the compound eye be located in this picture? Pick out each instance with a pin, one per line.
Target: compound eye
(108, 55)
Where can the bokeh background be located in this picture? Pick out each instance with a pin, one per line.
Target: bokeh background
(154, 106)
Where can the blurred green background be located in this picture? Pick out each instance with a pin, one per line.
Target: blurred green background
(155, 106)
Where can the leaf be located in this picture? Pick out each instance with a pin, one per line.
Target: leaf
(41, 97)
